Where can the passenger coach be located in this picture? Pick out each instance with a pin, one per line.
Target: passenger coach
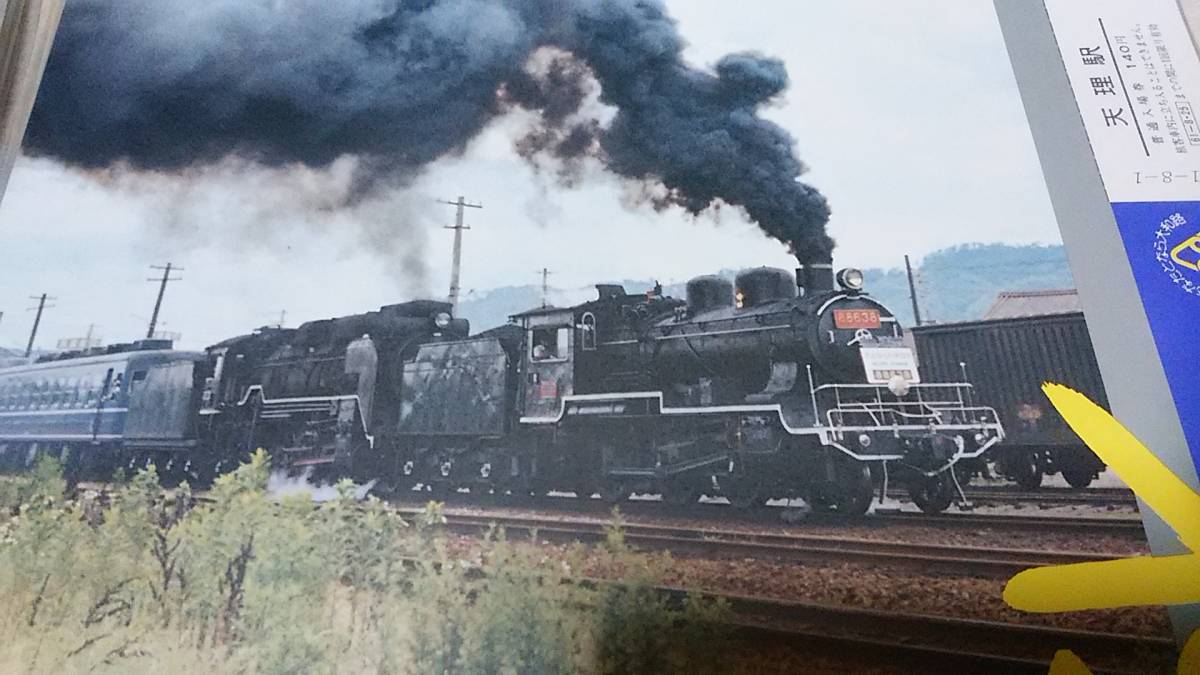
(88, 407)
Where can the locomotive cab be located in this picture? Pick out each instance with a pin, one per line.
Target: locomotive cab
(549, 359)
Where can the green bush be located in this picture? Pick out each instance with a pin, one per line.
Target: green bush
(237, 582)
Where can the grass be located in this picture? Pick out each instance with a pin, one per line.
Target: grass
(240, 583)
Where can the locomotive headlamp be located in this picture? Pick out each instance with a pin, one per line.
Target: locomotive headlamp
(441, 319)
(850, 279)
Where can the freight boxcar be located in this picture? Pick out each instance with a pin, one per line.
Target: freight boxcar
(1008, 360)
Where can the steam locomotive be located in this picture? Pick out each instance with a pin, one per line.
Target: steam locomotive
(773, 385)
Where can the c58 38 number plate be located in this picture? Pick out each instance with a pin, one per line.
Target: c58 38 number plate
(854, 319)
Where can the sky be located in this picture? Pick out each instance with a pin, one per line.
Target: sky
(905, 111)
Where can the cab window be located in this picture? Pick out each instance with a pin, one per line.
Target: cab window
(587, 331)
(549, 344)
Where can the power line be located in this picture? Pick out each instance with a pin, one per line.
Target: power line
(37, 319)
(162, 289)
(456, 264)
(545, 273)
(912, 291)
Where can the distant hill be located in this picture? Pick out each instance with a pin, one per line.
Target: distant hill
(960, 283)
(954, 284)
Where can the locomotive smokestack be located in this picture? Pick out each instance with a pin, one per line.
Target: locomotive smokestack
(815, 273)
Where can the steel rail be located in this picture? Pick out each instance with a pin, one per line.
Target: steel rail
(712, 542)
(940, 643)
(1048, 495)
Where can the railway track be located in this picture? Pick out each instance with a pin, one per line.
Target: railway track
(1115, 526)
(926, 643)
(1003, 494)
(1130, 527)
(716, 542)
(719, 511)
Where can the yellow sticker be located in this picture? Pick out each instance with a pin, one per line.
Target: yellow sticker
(1147, 580)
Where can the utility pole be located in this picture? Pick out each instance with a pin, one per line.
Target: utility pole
(456, 264)
(545, 272)
(162, 289)
(912, 290)
(37, 319)
(282, 317)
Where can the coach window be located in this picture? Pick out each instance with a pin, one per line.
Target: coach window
(139, 376)
(73, 393)
(93, 393)
(588, 331)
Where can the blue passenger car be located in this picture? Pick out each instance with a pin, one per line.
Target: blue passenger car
(90, 407)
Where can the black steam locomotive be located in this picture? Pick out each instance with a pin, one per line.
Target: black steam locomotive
(775, 385)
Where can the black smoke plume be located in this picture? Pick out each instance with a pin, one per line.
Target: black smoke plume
(166, 86)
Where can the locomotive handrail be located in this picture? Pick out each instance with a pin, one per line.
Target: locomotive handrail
(933, 401)
(991, 416)
(917, 389)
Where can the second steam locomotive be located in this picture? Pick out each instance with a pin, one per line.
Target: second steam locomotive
(776, 385)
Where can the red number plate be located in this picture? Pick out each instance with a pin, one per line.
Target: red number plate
(856, 318)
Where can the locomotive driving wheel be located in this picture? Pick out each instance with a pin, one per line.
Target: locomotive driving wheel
(851, 491)
(743, 494)
(744, 501)
(614, 490)
(680, 493)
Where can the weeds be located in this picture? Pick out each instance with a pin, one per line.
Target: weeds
(241, 583)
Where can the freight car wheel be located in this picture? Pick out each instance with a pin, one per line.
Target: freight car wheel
(932, 494)
(1024, 469)
(1078, 477)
